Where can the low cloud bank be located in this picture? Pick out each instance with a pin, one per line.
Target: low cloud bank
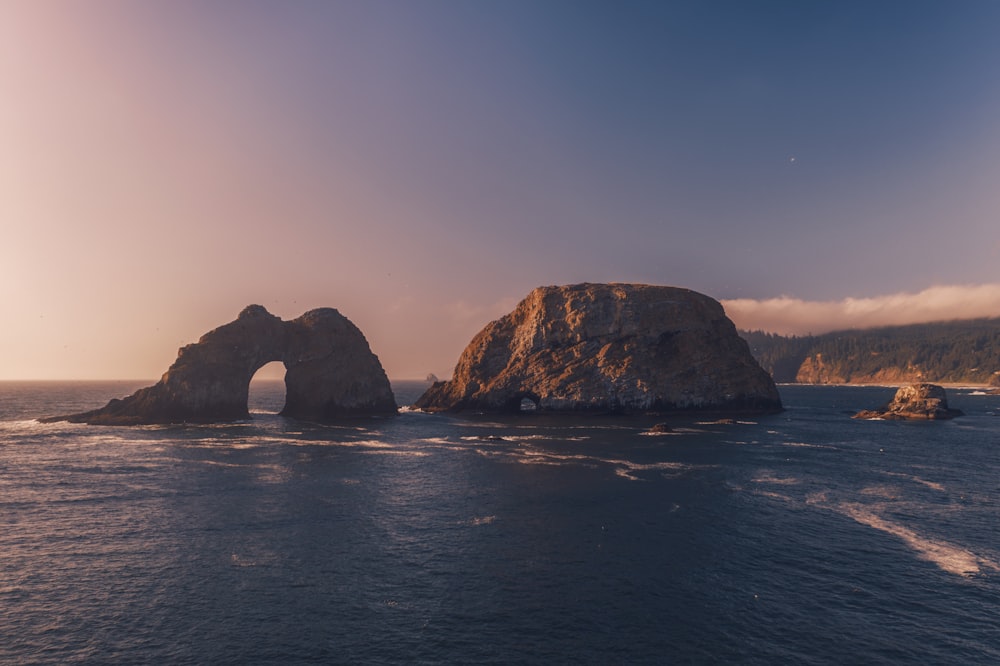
(794, 316)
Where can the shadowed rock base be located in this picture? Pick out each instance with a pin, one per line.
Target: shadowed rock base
(608, 348)
(331, 373)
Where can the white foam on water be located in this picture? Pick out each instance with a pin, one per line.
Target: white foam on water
(773, 495)
(435, 440)
(403, 453)
(806, 445)
(884, 491)
(481, 520)
(625, 474)
(947, 556)
(333, 443)
(767, 476)
(933, 485)
(241, 562)
(34, 426)
(535, 457)
(628, 469)
(818, 498)
(238, 445)
(623, 468)
(219, 463)
(484, 452)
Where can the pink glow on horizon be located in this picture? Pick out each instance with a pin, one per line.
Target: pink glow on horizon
(422, 166)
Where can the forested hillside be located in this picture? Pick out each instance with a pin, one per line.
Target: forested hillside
(966, 351)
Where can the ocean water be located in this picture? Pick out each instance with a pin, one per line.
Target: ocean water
(803, 537)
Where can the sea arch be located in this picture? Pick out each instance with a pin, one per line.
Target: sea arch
(330, 372)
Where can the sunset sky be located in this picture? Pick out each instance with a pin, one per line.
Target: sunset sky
(421, 165)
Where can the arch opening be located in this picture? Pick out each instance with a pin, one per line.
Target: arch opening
(528, 404)
(523, 402)
(266, 392)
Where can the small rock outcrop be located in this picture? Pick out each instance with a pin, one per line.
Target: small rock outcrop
(608, 348)
(330, 373)
(926, 402)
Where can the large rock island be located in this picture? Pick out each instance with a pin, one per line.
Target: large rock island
(330, 373)
(608, 348)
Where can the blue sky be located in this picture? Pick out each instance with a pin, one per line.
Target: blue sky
(422, 165)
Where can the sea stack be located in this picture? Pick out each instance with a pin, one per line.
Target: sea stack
(922, 402)
(620, 348)
(330, 373)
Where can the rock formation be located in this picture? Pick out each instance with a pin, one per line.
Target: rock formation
(916, 401)
(608, 348)
(330, 372)
(816, 369)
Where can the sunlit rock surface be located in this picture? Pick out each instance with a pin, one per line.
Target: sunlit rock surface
(330, 373)
(916, 401)
(608, 348)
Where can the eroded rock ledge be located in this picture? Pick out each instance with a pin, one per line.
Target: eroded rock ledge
(330, 373)
(917, 401)
(608, 348)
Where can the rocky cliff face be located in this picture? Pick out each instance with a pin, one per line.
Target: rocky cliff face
(608, 347)
(816, 369)
(916, 401)
(330, 372)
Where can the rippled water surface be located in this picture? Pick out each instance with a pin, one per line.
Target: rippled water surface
(803, 537)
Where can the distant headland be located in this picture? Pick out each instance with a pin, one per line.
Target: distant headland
(953, 352)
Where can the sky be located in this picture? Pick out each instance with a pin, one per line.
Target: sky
(421, 165)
